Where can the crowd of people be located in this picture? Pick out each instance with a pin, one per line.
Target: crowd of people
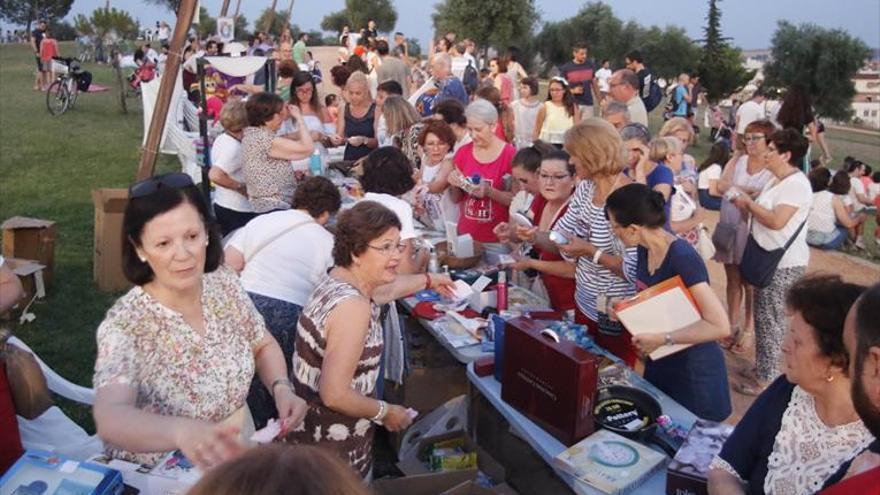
(255, 308)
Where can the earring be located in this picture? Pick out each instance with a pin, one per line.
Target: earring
(207, 241)
(829, 378)
(143, 260)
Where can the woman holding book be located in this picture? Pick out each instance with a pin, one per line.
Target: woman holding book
(696, 377)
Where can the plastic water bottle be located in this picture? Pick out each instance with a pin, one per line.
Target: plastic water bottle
(315, 165)
(433, 262)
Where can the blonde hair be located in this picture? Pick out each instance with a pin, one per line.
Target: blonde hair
(662, 147)
(597, 144)
(399, 114)
(357, 77)
(676, 124)
(233, 116)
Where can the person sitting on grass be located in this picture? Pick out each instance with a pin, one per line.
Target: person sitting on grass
(829, 221)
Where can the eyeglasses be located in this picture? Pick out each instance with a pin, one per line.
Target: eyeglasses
(389, 249)
(557, 178)
(753, 138)
(151, 185)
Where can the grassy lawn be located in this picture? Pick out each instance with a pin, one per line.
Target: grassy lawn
(48, 166)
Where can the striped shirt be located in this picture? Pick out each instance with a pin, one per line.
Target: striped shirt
(587, 221)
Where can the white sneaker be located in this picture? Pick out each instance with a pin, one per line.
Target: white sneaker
(859, 244)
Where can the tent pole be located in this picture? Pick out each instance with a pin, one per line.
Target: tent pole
(225, 8)
(147, 164)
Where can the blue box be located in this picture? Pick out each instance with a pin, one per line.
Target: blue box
(43, 473)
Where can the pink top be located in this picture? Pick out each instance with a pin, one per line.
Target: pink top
(48, 49)
(479, 216)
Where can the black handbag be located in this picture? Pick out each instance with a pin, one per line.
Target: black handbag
(758, 265)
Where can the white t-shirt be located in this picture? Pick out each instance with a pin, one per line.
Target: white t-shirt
(290, 266)
(795, 191)
(459, 64)
(822, 218)
(602, 76)
(748, 112)
(856, 186)
(525, 115)
(712, 172)
(226, 155)
(403, 210)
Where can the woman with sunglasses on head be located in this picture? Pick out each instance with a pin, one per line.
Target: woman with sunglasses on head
(695, 377)
(559, 113)
(266, 157)
(779, 216)
(304, 94)
(748, 174)
(339, 336)
(556, 179)
(176, 354)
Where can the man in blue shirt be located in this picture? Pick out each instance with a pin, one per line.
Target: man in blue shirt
(449, 86)
(682, 96)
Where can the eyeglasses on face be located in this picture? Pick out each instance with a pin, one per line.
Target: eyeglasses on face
(753, 138)
(389, 248)
(151, 185)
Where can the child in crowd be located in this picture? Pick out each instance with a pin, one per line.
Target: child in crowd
(332, 104)
(525, 112)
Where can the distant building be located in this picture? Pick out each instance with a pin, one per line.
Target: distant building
(866, 103)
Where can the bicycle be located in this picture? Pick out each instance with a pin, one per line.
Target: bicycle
(62, 93)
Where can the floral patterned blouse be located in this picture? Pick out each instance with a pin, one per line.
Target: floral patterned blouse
(176, 371)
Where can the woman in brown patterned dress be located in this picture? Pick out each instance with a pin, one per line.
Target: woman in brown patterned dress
(339, 338)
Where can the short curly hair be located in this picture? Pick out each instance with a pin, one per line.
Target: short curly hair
(823, 302)
(440, 129)
(387, 170)
(359, 225)
(317, 195)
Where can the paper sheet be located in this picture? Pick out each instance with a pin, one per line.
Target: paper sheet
(665, 312)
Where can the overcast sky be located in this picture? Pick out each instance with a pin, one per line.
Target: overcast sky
(750, 23)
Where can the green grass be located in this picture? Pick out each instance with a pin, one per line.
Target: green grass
(48, 166)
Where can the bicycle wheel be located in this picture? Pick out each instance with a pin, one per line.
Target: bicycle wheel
(57, 97)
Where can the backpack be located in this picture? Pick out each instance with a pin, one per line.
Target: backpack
(470, 78)
(671, 104)
(84, 80)
(655, 96)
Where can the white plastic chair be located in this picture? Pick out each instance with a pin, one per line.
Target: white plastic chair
(53, 431)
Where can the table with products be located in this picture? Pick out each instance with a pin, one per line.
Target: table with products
(548, 447)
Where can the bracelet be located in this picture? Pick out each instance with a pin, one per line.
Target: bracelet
(427, 281)
(380, 416)
(667, 340)
(281, 381)
(596, 256)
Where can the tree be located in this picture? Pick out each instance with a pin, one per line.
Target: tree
(357, 12)
(241, 27)
(172, 5)
(83, 25)
(497, 23)
(274, 20)
(667, 51)
(25, 12)
(62, 31)
(721, 70)
(105, 20)
(207, 26)
(823, 61)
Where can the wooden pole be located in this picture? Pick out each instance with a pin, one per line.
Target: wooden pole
(289, 12)
(185, 14)
(225, 8)
(237, 8)
(270, 19)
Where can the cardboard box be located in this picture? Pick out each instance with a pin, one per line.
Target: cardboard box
(109, 209)
(423, 484)
(31, 239)
(469, 488)
(31, 275)
(450, 418)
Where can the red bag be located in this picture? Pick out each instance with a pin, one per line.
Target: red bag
(551, 381)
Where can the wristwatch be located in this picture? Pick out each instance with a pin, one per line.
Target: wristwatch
(281, 381)
(668, 340)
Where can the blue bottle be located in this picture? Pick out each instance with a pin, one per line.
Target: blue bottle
(315, 166)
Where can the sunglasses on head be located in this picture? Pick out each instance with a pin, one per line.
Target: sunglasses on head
(151, 185)
(560, 80)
